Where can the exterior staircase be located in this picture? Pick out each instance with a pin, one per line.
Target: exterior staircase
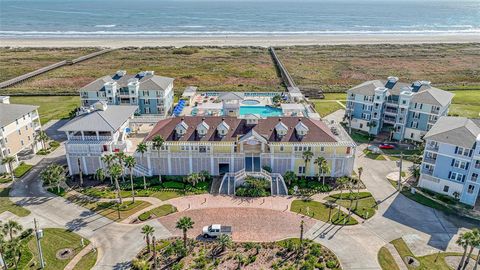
(232, 180)
(140, 170)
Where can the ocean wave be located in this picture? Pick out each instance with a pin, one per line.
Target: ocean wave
(105, 25)
(224, 33)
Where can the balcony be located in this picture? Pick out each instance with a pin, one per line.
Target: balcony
(432, 121)
(90, 138)
(430, 159)
(427, 171)
(390, 111)
(432, 147)
(389, 120)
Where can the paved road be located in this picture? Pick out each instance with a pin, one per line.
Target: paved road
(117, 243)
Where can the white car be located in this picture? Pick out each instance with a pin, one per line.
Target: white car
(215, 230)
(374, 149)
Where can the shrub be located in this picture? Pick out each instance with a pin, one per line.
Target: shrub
(174, 185)
(144, 216)
(54, 144)
(331, 264)
(267, 168)
(26, 233)
(138, 264)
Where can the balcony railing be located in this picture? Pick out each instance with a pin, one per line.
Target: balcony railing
(430, 159)
(90, 138)
(432, 147)
(427, 171)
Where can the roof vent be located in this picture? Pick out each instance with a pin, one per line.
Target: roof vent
(100, 106)
(392, 79)
(149, 72)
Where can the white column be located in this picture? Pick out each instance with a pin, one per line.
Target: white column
(83, 136)
(212, 165)
(98, 136)
(190, 161)
(332, 170)
(69, 164)
(85, 169)
(271, 157)
(169, 163)
(149, 165)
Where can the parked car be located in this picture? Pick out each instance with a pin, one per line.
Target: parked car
(386, 146)
(216, 230)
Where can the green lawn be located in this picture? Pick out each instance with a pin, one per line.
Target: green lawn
(320, 211)
(366, 204)
(22, 169)
(160, 211)
(335, 96)
(466, 103)
(369, 154)
(429, 262)
(51, 107)
(325, 108)
(386, 260)
(87, 261)
(167, 195)
(53, 241)
(7, 205)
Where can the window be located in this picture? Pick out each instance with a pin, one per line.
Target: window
(414, 125)
(19, 132)
(146, 101)
(281, 148)
(322, 148)
(421, 106)
(21, 142)
(463, 151)
(456, 176)
(460, 164)
(301, 169)
(474, 177)
(365, 116)
(445, 188)
(471, 189)
(477, 164)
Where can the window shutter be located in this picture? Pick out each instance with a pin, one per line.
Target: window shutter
(466, 166)
(471, 152)
(463, 178)
(449, 175)
(453, 161)
(456, 149)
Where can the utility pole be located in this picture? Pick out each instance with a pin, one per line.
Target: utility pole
(38, 236)
(400, 172)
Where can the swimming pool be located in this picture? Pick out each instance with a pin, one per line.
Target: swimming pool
(250, 102)
(265, 111)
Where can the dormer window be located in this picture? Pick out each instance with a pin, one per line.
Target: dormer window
(223, 128)
(301, 129)
(202, 128)
(281, 128)
(181, 128)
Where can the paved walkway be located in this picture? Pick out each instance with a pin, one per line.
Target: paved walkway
(78, 257)
(396, 256)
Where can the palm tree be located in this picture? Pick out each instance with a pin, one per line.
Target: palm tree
(157, 145)
(307, 156)
(115, 172)
(319, 161)
(42, 137)
(2, 249)
(463, 241)
(11, 228)
(142, 148)
(224, 241)
(148, 230)
(185, 224)
(130, 163)
(342, 181)
(100, 174)
(109, 160)
(194, 178)
(360, 171)
(54, 174)
(14, 249)
(121, 160)
(9, 160)
(473, 242)
(289, 176)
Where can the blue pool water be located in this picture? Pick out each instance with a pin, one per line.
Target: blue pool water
(265, 111)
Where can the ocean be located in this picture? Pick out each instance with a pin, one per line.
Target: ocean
(122, 18)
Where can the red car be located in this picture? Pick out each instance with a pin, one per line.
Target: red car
(386, 146)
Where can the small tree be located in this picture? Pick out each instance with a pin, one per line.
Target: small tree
(142, 148)
(359, 181)
(130, 163)
(473, 242)
(11, 228)
(185, 224)
(158, 142)
(307, 156)
(464, 241)
(42, 137)
(9, 160)
(53, 174)
(341, 182)
(224, 241)
(120, 156)
(3, 244)
(115, 172)
(148, 231)
(108, 160)
(100, 175)
(194, 178)
(290, 177)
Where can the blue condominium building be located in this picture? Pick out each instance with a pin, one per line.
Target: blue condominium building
(151, 93)
(401, 110)
(451, 160)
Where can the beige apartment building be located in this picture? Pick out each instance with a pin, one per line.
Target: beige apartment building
(18, 126)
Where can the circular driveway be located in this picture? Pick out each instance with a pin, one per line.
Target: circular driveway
(248, 224)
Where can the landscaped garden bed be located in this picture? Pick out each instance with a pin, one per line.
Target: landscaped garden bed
(364, 208)
(160, 211)
(254, 187)
(22, 169)
(224, 254)
(52, 145)
(322, 211)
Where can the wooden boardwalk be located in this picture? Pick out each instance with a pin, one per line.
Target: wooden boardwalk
(287, 79)
(46, 69)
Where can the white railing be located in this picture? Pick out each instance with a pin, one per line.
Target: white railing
(90, 138)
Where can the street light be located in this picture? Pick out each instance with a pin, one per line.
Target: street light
(38, 236)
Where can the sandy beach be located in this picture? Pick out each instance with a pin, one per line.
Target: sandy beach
(263, 41)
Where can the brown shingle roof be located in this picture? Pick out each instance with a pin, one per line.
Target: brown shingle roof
(318, 131)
